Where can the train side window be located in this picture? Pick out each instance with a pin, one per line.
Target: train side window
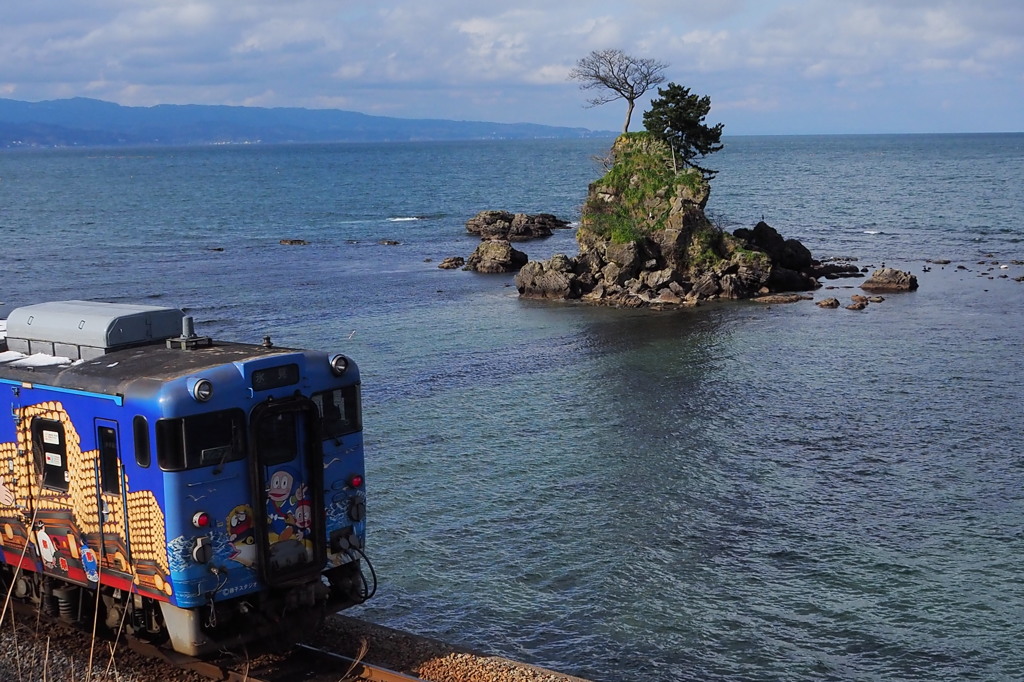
(200, 440)
(49, 451)
(340, 411)
(140, 428)
(110, 475)
(170, 444)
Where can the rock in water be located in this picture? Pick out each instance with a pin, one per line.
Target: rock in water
(496, 255)
(452, 262)
(513, 227)
(547, 279)
(890, 279)
(645, 240)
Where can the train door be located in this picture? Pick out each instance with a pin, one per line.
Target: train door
(116, 536)
(65, 496)
(53, 475)
(289, 479)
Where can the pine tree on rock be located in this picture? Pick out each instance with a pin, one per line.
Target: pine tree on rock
(677, 117)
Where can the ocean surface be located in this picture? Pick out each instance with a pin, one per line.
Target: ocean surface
(734, 492)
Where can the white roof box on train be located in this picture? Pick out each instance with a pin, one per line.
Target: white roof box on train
(87, 329)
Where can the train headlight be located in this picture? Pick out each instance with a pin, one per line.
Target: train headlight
(201, 389)
(339, 363)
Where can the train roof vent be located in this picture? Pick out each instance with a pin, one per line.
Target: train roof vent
(87, 329)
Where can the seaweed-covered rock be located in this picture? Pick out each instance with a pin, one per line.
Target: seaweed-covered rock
(644, 240)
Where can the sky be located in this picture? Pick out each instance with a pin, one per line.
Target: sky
(769, 66)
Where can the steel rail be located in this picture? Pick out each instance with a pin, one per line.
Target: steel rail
(361, 669)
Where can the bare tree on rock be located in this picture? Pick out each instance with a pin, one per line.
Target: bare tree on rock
(623, 76)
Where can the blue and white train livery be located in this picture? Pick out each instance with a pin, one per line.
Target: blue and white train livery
(192, 490)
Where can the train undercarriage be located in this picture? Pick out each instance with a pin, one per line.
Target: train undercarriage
(271, 617)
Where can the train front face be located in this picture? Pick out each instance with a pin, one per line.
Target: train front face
(262, 461)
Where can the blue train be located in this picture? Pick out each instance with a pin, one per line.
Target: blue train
(185, 490)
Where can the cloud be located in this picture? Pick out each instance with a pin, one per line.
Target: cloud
(462, 58)
(844, 39)
(497, 47)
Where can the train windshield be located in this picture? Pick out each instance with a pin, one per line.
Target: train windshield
(200, 440)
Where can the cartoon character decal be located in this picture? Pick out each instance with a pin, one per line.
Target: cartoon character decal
(7, 498)
(284, 496)
(289, 518)
(302, 519)
(241, 538)
(89, 564)
(47, 550)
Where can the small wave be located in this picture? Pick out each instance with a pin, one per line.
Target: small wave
(872, 232)
(403, 220)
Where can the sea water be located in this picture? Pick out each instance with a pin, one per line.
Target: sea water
(734, 492)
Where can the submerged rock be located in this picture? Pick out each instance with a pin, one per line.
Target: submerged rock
(783, 298)
(452, 263)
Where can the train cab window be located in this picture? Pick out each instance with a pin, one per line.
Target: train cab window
(110, 475)
(276, 440)
(200, 440)
(339, 411)
(140, 429)
(49, 451)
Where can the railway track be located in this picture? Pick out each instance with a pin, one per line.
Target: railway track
(360, 669)
(302, 662)
(340, 650)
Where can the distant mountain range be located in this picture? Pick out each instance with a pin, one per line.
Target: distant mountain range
(83, 122)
